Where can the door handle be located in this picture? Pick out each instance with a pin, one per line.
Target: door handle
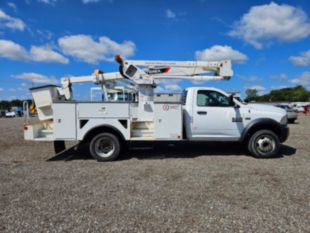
(202, 112)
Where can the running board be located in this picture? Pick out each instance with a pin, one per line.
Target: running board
(142, 139)
(143, 146)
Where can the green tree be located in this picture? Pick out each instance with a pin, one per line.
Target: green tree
(251, 94)
(293, 94)
(6, 105)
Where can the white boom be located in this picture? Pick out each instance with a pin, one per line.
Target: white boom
(131, 73)
(188, 68)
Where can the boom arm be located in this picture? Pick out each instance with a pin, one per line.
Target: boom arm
(193, 70)
(151, 70)
(97, 77)
(189, 68)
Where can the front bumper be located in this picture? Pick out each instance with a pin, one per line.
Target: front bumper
(291, 116)
(285, 131)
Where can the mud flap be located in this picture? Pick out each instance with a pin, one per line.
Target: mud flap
(59, 146)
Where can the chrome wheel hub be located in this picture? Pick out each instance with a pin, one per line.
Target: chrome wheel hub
(265, 144)
(104, 147)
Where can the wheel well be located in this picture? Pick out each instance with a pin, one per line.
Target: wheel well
(103, 129)
(257, 127)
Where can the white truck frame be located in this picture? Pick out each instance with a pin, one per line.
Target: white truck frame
(107, 125)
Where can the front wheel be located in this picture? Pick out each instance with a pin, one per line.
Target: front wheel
(264, 144)
(105, 147)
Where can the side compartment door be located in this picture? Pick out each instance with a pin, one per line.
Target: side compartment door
(64, 121)
(215, 117)
(168, 121)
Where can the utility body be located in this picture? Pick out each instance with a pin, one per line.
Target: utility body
(198, 114)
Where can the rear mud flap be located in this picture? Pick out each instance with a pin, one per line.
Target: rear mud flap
(59, 146)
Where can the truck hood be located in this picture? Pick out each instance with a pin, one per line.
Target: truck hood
(267, 108)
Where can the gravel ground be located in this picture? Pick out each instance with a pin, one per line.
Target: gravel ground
(185, 188)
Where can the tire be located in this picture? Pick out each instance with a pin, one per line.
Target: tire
(105, 147)
(264, 144)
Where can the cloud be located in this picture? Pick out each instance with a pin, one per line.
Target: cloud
(272, 21)
(7, 21)
(36, 78)
(45, 34)
(303, 79)
(198, 82)
(49, 2)
(81, 47)
(11, 50)
(46, 54)
(85, 48)
(302, 60)
(1, 89)
(90, 1)
(278, 87)
(247, 78)
(281, 77)
(170, 14)
(52, 2)
(219, 52)
(12, 97)
(257, 87)
(14, 51)
(12, 5)
(173, 87)
(175, 16)
(168, 85)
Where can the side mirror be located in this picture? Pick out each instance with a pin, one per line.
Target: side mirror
(231, 100)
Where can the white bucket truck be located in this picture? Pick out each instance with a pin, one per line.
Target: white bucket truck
(200, 114)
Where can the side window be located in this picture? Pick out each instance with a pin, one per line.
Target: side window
(203, 99)
(207, 98)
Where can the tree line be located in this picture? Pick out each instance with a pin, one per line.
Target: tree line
(7, 105)
(293, 94)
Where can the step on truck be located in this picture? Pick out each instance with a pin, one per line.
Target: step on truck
(198, 114)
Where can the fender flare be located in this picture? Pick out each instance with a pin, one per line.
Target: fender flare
(103, 128)
(261, 123)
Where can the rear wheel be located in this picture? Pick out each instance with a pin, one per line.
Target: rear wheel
(105, 147)
(264, 144)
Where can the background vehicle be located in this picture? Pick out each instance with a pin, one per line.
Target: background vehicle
(203, 114)
(291, 114)
(10, 114)
(2, 113)
(298, 108)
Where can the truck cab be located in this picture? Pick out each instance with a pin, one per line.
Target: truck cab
(211, 114)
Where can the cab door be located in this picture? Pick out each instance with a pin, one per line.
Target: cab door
(215, 117)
